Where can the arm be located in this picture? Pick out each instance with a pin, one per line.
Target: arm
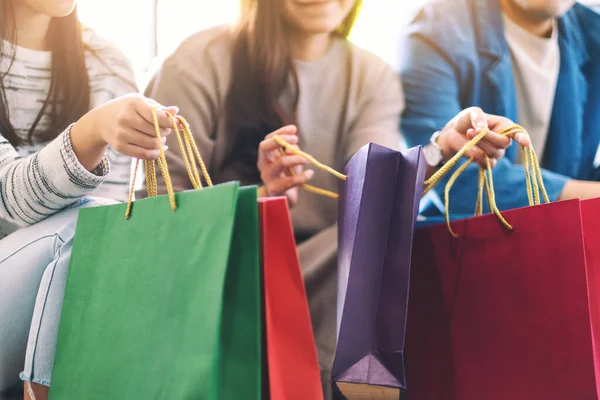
(378, 122)
(40, 185)
(74, 164)
(431, 87)
(574, 189)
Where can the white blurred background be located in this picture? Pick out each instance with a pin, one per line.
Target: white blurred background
(149, 30)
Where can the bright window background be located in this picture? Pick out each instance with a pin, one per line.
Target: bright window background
(130, 24)
(133, 25)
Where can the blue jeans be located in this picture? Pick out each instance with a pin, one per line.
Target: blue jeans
(33, 273)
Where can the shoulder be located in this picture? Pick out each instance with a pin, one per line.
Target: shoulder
(205, 51)
(368, 63)
(369, 72)
(445, 24)
(107, 64)
(586, 13)
(443, 15)
(588, 21)
(199, 68)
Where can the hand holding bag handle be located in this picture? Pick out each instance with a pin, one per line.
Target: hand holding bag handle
(191, 156)
(533, 174)
(312, 160)
(191, 159)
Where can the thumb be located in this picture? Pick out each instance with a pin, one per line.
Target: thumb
(286, 130)
(523, 139)
(173, 110)
(471, 118)
(477, 118)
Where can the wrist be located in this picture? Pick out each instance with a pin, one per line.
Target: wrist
(85, 130)
(88, 148)
(442, 143)
(433, 152)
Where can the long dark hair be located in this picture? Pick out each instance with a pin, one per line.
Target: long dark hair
(261, 70)
(69, 96)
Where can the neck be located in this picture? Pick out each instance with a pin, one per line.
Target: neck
(309, 47)
(534, 23)
(32, 27)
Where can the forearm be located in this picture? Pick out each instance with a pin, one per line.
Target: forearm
(575, 189)
(88, 147)
(38, 186)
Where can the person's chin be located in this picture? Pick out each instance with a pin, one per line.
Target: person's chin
(555, 11)
(63, 9)
(319, 27)
(543, 14)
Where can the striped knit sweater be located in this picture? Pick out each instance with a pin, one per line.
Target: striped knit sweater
(39, 180)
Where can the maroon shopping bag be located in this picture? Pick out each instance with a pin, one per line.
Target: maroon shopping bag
(497, 314)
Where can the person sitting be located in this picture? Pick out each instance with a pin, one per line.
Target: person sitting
(536, 62)
(69, 125)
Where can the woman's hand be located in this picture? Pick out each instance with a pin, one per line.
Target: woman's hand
(466, 125)
(126, 125)
(275, 166)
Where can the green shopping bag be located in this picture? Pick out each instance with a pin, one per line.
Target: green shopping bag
(165, 304)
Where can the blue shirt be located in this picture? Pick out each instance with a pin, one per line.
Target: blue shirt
(455, 56)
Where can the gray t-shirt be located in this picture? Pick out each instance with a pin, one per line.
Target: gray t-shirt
(536, 64)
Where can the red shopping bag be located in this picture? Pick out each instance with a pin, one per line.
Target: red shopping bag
(590, 215)
(499, 315)
(291, 353)
(507, 310)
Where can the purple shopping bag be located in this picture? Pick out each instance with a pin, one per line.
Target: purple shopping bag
(379, 204)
